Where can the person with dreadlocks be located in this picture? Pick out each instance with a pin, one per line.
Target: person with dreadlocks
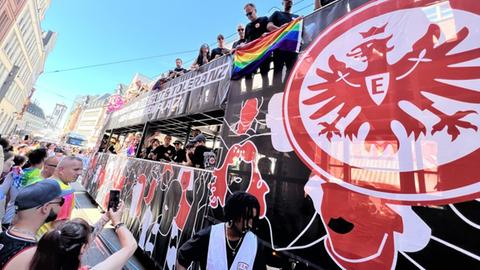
(228, 245)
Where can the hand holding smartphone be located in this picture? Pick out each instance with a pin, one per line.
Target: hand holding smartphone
(114, 200)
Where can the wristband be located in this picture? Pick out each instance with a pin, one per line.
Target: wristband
(118, 226)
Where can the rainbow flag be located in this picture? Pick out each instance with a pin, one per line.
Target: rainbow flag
(248, 58)
(30, 176)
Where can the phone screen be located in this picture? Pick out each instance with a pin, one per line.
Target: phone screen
(114, 199)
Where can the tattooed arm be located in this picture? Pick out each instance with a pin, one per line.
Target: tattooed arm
(104, 219)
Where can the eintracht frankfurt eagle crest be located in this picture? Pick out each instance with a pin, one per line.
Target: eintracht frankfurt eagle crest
(386, 101)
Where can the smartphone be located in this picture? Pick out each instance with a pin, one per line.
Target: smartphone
(114, 199)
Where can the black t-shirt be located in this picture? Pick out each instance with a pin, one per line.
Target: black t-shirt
(238, 42)
(256, 29)
(198, 157)
(180, 156)
(164, 152)
(196, 249)
(280, 18)
(11, 245)
(200, 59)
(177, 72)
(219, 52)
(181, 70)
(149, 150)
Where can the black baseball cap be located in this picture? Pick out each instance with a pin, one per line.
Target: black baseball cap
(38, 194)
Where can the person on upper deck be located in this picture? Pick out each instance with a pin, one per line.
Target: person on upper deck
(198, 158)
(282, 58)
(150, 150)
(195, 133)
(220, 50)
(202, 58)
(189, 151)
(165, 151)
(178, 71)
(180, 154)
(241, 36)
(257, 27)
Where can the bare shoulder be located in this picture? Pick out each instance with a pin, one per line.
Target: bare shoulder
(22, 260)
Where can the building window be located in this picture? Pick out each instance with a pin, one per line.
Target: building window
(3, 75)
(4, 20)
(24, 22)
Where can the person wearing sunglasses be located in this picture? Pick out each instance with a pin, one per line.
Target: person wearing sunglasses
(256, 28)
(241, 36)
(35, 204)
(220, 50)
(49, 167)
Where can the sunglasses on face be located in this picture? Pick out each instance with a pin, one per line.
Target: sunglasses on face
(249, 14)
(51, 165)
(61, 202)
(240, 30)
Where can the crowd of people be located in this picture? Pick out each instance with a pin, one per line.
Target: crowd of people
(36, 205)
(159, 147)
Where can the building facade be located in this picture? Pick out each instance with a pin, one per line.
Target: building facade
(88, 117)
(24, 47)
(53, 120)
(33, 121)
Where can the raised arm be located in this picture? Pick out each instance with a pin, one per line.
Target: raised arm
(127, 242)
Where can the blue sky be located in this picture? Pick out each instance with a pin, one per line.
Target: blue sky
(94, 32)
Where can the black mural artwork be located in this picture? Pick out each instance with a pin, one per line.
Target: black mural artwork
(166, 204)
(364, 157)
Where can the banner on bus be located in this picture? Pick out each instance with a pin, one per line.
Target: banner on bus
(197, 91)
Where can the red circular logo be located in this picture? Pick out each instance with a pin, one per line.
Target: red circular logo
(386, 100)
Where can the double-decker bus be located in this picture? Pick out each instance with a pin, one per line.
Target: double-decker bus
(362, 155)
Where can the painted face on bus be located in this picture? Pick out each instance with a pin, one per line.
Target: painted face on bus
(363, 231)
